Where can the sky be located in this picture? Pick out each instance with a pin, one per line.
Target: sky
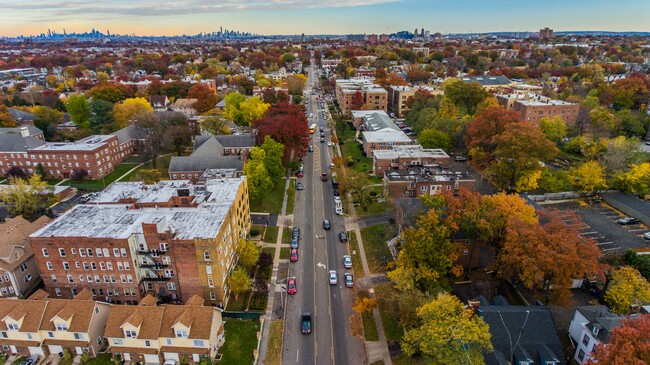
(166, 17)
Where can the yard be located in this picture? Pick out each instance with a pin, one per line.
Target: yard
(286, 235)
(101, 359)
(162, 164)
(96, 185)
(272, 201)
(356, 256)
(374, 242)
(271, 234)
(241, 341)
(274, 349)
(369, 326)
(392, 329)
(376, 206)
(291, 196)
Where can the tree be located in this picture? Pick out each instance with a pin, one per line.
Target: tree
(248, 253)
(129, 110)
(588, 177)
(101, 115)
(215, 123)
(546, 257)
(286, 124)
(602, 122)
(259, 181)
(620, 153)
(205, 97)
(46, 119)
(465, 95)
(495, 212)
(629, 343)
(636, 180)
(40, 170)
(627, 288)
(364, 304)
(239, 281)
(16, 171)
(29, 198)
(433, 138)
(450, 333)
(110, 92)
(232, 110)
(357, 101)
(265, 260)
(482, 131)
(253, 109)
(273, 152)
(79, 174)
(296, 84)
(356, 184)
(79, 109)
(148, 124)
(554, 128)
(149, 176)
(447, 109)
(6, 120)
(177, 136)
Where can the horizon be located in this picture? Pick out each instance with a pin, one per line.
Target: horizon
(339, 17)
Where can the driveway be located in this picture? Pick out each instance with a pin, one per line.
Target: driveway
(263, 218)
(62, 207)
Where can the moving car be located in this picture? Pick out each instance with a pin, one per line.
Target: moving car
(299, 186)
(311, 148)
(294, 255)
(333, 278)
(326, 224)
(295, 233)
(291, 286)
(343, 237)
(294, 242)
(347, 261)
(329, 144)
(348, 280)
(627, 221)
(323, 176)
(322, 140)
(305, 323)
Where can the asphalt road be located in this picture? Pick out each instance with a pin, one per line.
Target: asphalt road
(320, 251)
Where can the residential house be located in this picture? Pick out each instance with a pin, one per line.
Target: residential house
(159, 103)
(19, 275)
(414, 182)
(185, 106)
(591, 325)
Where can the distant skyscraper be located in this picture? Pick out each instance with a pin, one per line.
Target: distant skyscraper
(546, 33)
(416, 32)
(422, 32)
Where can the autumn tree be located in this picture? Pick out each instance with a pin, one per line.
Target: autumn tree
(466, 96)
(286, 124)
(149, 125)
(149, 176)
(79, 109)
(296, 84)
(602, 122)
(554, 128)
(496, 210)
(588, 178)
(482, 131)
(205, 97)
(215, 123)
(356, 184)
(244, 111)
(6, 120)
(636, 180)
(28, 197)
(239, 282)
(434, 138)
(248, 253)
(46, 119)
(531, 253)
(364, 304)
(629, 343)
(620, 153)
(113, 93)
(450, 333)
(627, 288)
(259, 180)
(357, 101)
(130, 109)
(273, 152)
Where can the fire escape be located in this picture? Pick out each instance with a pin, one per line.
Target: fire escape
(149, 260)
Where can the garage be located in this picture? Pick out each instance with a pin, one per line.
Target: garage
(36, 350)
(172, 356)
(151, 359)
(55, 349)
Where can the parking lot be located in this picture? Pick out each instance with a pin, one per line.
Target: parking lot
(599, 222)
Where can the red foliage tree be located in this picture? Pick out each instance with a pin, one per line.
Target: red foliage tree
(628, 344)
(206, 98)
(286, 124)
(483, 130)
(357, 101)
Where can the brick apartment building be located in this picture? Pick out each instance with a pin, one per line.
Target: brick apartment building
(97, 155)
(397, 98)
(374, 97)
(173, 239)
(424, 180)
(532, 107)
(403, 157)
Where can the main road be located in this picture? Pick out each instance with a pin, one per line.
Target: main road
(320, 251)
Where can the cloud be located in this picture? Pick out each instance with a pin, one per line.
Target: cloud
(56, 10)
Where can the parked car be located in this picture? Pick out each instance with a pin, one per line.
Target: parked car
(294, 255)
(321, 128)
(628, 220)
(322, 140)
(326, 224)
(291, 286)
(305, 323)
(347, 261)
(323, 176)
(30, 360)
(299, 186)
(299, 174)
(336, 192)
(295, 233)
(294, 242)
(169, 362)
(337, 200)
(348, 280)
(311, 148)
(460, 158)
(646, 235)
(332, 277)
(343, 237)
(329, 144)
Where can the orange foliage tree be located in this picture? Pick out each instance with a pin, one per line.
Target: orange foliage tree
(628, 344)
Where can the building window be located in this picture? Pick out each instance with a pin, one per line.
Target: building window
(130, 334)
(118, 341)
(53, 277)
(23, 267)
(78, 336)
(171, 286)
(50, 334)
(581, 355)
(66, 266)
(147, 343)
(45, 253)
(199, 343)
(169, 273)
(49, 266)
(213, 296)
(13, 326)
(210, 283)
(168, 341)
(585, 340)
(62, 252)
(208, 270)
(116, 252)
(181, 334)
(206, 255)
(70, 279)
(61, 326)
(163, 246)
(123, 252)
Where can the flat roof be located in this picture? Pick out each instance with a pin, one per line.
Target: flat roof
(87, 144)
(386, 135)
(427, 173)
(413, 151)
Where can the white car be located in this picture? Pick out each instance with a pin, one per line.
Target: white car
(329, 144)
(333, 279)
(347, 261)
(337, 200)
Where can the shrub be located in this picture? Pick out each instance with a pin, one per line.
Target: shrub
(254, 232)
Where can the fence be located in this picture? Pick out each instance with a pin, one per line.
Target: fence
(242, 315)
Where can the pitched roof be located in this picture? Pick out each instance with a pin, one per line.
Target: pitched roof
(118, 315)
(185, 103)
(488, 80)
(237, 141)
(148, 300)
(14, 247)
(33, 130)
(195, 300)
(599, 316)
(20, 115)
(18, 143)
(78, 312)
(129, 133)
(33, 308)
(202, 163)
(197, 318)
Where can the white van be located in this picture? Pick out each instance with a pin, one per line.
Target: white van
(338, 208)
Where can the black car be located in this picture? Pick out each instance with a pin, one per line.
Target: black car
(295, 233)
(627, 221)
(322, 140)
(299, 186)
(336, 192)
(305, 323)
(326, 224)
(343, 237)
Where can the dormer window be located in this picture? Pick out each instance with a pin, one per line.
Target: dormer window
(595, 330)
(130, 334)
(61, 327)
(181, 334)
(13, 326)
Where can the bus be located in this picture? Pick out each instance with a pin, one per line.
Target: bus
(312, 129)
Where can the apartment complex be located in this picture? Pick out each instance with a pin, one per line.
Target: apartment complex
(95, 156)
(417, 181)
(360, 93)
(381, 133)
(532, 107)
(403, 157)
(152, 334)
(173, 239)
(489, 82)
(397, 99)
(19, 275)
(42, 325)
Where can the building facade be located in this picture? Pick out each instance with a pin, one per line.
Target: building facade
(532, 107)
(403, 157)
(425, 180)
(371, 96)
(398, 97)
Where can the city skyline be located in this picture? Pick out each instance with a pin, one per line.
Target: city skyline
(154, 17)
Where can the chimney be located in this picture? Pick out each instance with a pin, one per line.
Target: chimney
(474, 305)
(24, 132)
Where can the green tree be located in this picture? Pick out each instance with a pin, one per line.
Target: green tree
(233, 107)
(355, 183)
(46, 119)
(273, 157)
(29, 197)
(79, 109)
(450, 334)
(248, 253)
(239, 282)
(621, 153)
(554, 128)
(215, 123)
(466, 96)
(259, 180)
(627, 288)
(588, 177)
(433, 138)
(101, 115)
(602, 122)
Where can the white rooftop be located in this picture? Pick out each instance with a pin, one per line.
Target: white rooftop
(87, 144)
(385, 135)
(410, 151)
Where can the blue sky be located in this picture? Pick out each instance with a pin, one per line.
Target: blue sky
(166, 17)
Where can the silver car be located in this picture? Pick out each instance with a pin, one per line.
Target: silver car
(347, 262)
(333, 278)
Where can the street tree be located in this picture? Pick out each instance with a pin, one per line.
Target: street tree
(259, 180)
(239, 282)
(627, 288)
(129, 110)
(450, 333)
(273, 152)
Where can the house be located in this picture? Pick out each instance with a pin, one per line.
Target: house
(417, 181)
(185, 106)
(19, 274)
(521, 335)
(591, 325)
(403, 157)
(159, 103)
(153, 334)
(43, 326)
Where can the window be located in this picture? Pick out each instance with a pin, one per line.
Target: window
(123, 252)
(119, 266)
(82, 278)
(82, 252)
(13, 326)
(169, 273)
(49, 265)
(50, 334)
(70, 279)
(585, 340)
(45, 253)
(86, 266)
(208, 270)
(90, 252)
(77, 265)
(127, 266)
(66, 266)
(4, 335)
(130, 334)
(23, 267)
(163, 246)
(147, 343)
(74, 251)
(93, 265)
(206, 255)
(99, 252)
(74, 292)
(61, 326)
(129, 278)
(199, 343)
(168, 341)
(62, 252)
(213, 296)
(102, 265)
(211, 283)
(581, 355)
(118, 341)
(98, 279)
(123, 279)
(171, 286)
(181, 334)
(106, 280)
(106, 252)
(53, 277)
(116, 252)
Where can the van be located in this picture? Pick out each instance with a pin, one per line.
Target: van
(338, 208)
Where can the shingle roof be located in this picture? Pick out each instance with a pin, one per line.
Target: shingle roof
(32, 320)
(197, 318)
(18, 143)
(119, 314)
(79, 311)
(20, 115)
(201, 163)
(236, 141)
(33, 130)
(129, 133)
(14, 237)
(601, 317)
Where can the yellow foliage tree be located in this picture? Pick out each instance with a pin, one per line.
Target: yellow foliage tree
(129, 109)
(636, 180)
(253, 109)
(626, 289)
(364, 305)
(588, 177)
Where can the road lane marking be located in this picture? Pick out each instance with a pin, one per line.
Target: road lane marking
(610, 249)
(297, 352)
(604, 243)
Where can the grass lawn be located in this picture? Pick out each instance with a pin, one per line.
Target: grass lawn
(272, 202)
(52, 181)
(402, 359)
(269, 250)
(238, 304)
(286, 234)
(241, 341)
(18, 360)
(271, 234)
(369, 326)
(356, 257)
(96, 185)
(101, 359)
(291, 196)
(274, 348)
(345, 131)
(256, 230)
(375, 207)
(374, 242)
(353, 149)
(136, 159)
(392, 329)
(285, 252)
(162, 164)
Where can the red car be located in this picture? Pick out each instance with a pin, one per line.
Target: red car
(299, 173)
(291, 286)
(294, 255)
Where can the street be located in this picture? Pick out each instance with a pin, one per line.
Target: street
(320, 251)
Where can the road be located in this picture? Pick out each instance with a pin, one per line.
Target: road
(320, 251)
